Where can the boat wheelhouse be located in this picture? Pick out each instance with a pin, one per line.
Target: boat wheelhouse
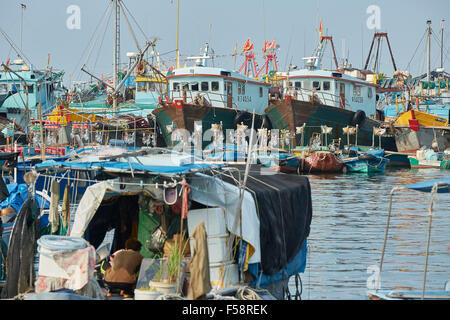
(220, 87)
(332, 88)
(22, 88)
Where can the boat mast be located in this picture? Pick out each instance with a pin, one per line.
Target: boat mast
(116, 47)
(429, 51)
(178, 28)
(442, 43)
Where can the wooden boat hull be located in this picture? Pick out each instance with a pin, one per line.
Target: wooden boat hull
(322, 161)
(289, 114)
(409, 141)
(170, 117)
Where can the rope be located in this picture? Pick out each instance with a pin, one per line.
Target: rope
(170, 297)
(60, 244)
(247, 293)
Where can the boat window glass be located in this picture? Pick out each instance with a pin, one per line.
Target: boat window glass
(326, 85)
(194, 86)
(185, 86)
(260, 91)
(243, 88)
(298, 85)
(151, 86)
(316, 85)
(3, 88)
(356, 90)
(205, 86)
(15, 87)
(215, 86)
(176, 86)
(30, 89)
(141, 86)
(369, 92)
(307, 84)
(290, 84)
(239, 88)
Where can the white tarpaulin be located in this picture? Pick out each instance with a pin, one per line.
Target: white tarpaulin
(214, 192)
(93, 197)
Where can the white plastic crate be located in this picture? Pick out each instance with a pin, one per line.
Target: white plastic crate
(214, 219)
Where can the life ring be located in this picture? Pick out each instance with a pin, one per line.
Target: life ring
(358, 118)
(140, 69)
(179, 104)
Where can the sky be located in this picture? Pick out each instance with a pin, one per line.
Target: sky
(51, 27)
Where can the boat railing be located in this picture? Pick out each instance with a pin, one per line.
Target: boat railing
(215, 99)
(433, 191)
(326, 98)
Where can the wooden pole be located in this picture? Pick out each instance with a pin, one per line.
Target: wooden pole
(41, 129)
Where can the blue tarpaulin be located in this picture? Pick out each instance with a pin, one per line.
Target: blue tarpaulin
(426, 186)
(123, 166)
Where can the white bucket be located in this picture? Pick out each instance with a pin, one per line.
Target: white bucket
(48, 266)
(164, 287)
(222, 275)
(146, 294)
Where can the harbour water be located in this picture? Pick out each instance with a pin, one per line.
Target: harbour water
(347, 233)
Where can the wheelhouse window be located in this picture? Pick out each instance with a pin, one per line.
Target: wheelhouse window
(298, 85)
(241, 88)
(205, 86)
(141, 86)
(30, 88)
(260, 92)
(326, 85)
(215, 86)
(291, 84)
(176, 86)
(307, 85)
(369, 92)
(194, 86)
(3, 88)
(151, 86)
(316, 85)
(356, 90)
(185, 86)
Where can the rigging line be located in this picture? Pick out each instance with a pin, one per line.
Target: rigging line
(13, 46)
(101, 43)
(439, 44)
(97, 32)
(420, 42)
(76, 69)
(137, 24)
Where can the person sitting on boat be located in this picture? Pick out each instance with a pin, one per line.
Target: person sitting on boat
(124, 268)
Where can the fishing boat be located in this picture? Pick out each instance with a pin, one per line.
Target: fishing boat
(428, 158)
(315, 97)
(372, 161)
(138, 183)
(432, 187)
(210, 96)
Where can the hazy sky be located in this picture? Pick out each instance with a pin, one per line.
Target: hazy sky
(292, 23)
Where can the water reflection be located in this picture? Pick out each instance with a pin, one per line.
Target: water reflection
(347, 233)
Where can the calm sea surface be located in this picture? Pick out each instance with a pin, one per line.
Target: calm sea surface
(347, 233)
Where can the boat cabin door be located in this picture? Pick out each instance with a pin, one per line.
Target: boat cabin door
(229, 90)
(342, 95)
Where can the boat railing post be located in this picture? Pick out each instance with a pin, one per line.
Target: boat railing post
(430, 217)
(385, 237)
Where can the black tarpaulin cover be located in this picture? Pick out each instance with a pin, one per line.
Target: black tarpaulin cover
(285, 210)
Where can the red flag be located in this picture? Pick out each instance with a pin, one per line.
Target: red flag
(7, 62)
(320, 30)
(247, 46)
(171, 68)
